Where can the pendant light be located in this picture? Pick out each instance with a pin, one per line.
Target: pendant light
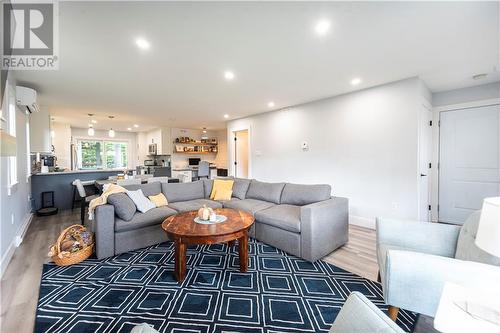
(111, 132)
(91, 131)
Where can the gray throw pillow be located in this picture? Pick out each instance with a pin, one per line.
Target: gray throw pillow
(207, 185)
(270, 192)
(147, 189)
(466, 246)
(240, 187)
(300, 195)
(124, 206)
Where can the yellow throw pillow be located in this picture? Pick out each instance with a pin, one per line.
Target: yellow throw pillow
(223, 194)
(221, 184)
(159, 200)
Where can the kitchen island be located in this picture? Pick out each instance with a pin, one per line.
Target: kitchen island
(61, 183)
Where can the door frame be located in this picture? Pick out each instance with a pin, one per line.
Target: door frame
(436, 116)
(428, 108)
(231, 136)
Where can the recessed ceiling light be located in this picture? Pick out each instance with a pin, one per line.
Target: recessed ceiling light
(228, 75)
(129, 128)
(479, 76)
(135, 125)
(355, 81)
(270, 104)
(226, 116)
(142, 44)
(322, 27)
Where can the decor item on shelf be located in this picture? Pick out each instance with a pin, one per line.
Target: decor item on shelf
(74, 245)
(206, 213)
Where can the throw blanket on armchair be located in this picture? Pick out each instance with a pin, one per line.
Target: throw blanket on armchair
(103, 199)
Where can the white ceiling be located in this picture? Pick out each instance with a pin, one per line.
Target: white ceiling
(270, 46)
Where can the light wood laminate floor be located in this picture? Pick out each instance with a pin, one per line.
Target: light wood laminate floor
(20, 284)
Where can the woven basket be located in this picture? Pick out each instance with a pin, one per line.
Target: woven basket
(70, 258)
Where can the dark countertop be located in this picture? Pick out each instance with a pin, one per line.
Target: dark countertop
(70, 172)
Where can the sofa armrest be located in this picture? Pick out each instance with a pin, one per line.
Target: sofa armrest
(415, 281)
(358, 314)
(432, 238)
(104, 230)
(323, 227)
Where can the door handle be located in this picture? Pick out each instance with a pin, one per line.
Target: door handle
(422, 175)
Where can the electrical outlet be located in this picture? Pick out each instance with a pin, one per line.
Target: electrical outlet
(12, 218)
(394, 205)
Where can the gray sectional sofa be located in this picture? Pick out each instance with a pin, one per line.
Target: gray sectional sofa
(303, 220)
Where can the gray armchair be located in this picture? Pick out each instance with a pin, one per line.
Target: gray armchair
(359, 315)
(416, 259)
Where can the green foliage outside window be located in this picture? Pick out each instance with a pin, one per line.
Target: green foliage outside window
(103, 154)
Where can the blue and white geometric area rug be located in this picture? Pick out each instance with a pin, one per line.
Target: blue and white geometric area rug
(279, 293)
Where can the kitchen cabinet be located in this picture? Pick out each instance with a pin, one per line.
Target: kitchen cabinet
(161, 137)
(40, 139)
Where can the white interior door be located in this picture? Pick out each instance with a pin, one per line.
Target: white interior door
(241, 154)
(425, 157)
(469, 154)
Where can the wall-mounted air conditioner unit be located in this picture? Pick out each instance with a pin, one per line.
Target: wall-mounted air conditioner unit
(26, 98)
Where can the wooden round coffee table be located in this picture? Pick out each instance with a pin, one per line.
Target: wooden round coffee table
(184, 231)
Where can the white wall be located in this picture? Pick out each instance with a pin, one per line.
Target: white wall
(62, 144)
(129, 137)
(364, 144)
(15, 209)
(180, 160)
(470, 94)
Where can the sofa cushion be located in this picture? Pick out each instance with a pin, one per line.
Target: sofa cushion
(295, 194)
(207, 185)
(466, 246)
(141, 220)
(286, 217)
(240, 187)
(124, 206)
(159, 200)
(221, 184)
(248, 205)
(147, 189)
(265, 191)
(187, 206)
(183, 191)
(142, 203)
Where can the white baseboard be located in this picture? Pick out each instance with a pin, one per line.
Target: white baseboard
(362, 221)
(16, 241)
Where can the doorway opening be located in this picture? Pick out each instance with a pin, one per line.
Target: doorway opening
(241, 152)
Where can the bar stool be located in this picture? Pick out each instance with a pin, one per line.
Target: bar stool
(85, 199)
(75, 191)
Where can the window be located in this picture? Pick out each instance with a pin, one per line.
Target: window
(12, 131)
(100, 154)
(28, 155)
